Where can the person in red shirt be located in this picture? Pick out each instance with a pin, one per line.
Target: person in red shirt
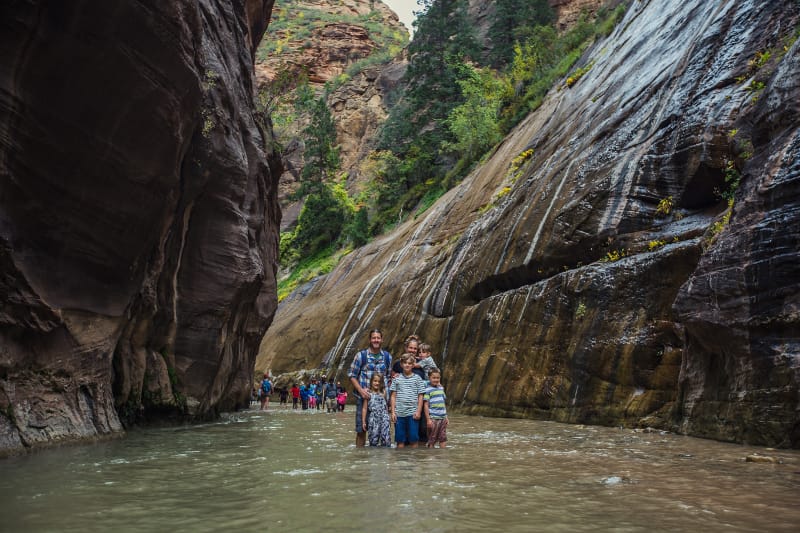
(295, 395)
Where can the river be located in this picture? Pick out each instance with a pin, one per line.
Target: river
(281, 470)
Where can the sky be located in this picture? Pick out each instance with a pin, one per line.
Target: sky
(404, 9)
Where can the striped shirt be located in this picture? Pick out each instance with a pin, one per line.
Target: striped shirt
(435, 397)
(407, 389)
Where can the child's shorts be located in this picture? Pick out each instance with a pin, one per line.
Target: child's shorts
(438, 432)
(406, 430)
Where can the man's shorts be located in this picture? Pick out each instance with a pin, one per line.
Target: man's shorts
(359, 405)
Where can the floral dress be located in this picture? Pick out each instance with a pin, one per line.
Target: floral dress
(378, 421)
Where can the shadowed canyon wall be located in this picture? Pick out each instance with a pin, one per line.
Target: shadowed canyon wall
(138, 214)
(592, 269)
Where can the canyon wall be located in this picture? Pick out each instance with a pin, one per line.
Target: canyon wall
(138, 215)
(592, 269)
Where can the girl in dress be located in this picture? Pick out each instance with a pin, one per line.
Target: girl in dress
(375, 413)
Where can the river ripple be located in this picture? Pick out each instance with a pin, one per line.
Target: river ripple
(284, 470)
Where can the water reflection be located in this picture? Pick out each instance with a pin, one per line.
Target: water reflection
(299, 470)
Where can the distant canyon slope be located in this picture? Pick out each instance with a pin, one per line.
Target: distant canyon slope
(138, 215)
(360, 105)
(590, 271)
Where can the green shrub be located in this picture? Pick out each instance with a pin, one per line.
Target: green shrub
(665, 206)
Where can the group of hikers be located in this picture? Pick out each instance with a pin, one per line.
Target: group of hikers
(315, 395)
(407, 393)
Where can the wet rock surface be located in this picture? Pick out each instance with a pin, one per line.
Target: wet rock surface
(591, 271)
(138, 215)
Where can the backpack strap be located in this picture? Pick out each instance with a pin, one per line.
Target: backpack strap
(387, 359)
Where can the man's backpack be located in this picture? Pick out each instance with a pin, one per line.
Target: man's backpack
(330, 390)
(387, 359)
(266, 386)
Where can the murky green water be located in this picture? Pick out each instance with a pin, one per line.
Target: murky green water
(299, 471)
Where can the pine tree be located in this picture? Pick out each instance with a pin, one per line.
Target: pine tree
(444, 38)
(321, 153)
(512, 22)
(358, 230)
(416, 129)
(324, 214)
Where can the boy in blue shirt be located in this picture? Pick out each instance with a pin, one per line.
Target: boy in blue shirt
(435, 410)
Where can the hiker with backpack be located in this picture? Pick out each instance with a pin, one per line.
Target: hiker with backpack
(320, 398)
(367, 362)
(266, 390)
(330, 396)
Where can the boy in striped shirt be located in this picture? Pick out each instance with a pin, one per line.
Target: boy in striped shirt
(435, 410)
(405, 404)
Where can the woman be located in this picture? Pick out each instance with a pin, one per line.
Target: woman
(411, 345)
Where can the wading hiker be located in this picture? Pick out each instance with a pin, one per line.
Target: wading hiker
(365, 363)
(375, 413)
(435, 410)
(295, 395)
(405, 403)
(319, 396)
(330, 396)
(266, 390)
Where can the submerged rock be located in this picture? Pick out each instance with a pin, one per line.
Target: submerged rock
(756, 458)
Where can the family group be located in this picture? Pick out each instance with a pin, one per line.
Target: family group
(415, 403)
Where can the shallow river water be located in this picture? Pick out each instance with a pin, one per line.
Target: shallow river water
(299, 471)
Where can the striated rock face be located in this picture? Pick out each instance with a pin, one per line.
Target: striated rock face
(590, 270)
(741, 306)
(332, 48)
(138, 215)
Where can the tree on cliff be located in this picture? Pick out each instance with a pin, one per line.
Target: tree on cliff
(444, 39)
(321, 154)
(474, 123)
(417, 127)
(512, 22)
(326, 208)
